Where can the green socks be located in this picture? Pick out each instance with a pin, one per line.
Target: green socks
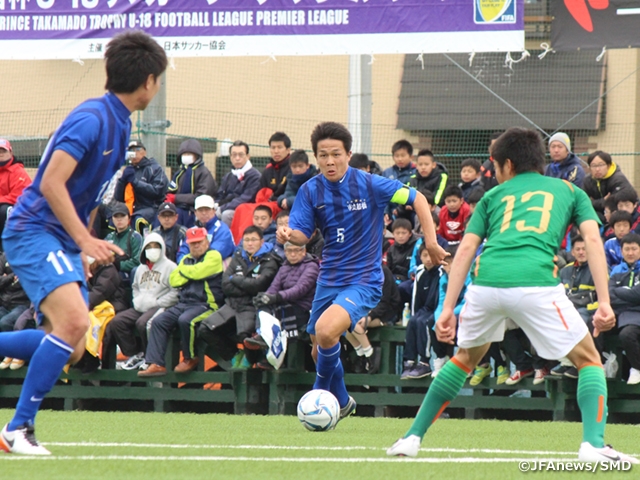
(442, 391)
(592, 400)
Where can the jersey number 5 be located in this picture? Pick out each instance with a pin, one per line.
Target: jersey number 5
(340, 235)
(545, 212)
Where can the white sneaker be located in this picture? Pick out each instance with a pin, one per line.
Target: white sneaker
(134, 362)
(16, 364)
(6, 363)
(634, 377)
(21, 441)
(438, 363)
(405, 447)
(589, 453)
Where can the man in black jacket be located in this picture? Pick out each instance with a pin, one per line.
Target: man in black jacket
(274, 176)
(149, 184)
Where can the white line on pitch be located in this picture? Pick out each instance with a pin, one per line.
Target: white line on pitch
(628, 11)
(272, 459)
(296, 447)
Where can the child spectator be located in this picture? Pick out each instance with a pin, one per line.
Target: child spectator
(470, 176)
(621, 223)
(126, 238)
(453, 216)
(430, 175)
(474, 197)
(301, 171)
(385, 313)
(403, 167)
(361, 162)
(399, 254)
(424, 303)
(624, 288)
(152, 294)
(172, 233)
(415, 258)
(610, 206)
(238, 186)
(442, 350)
(628, 202)
(282, 220)
(263, 219)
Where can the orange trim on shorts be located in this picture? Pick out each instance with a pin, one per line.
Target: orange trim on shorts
(444, 405)
(591, 365)
(561, 316)
(475, 271)
(460, 365)
(600, 408)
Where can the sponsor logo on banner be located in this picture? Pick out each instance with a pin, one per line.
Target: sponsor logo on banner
(494, 11)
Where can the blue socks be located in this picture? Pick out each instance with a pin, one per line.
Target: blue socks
(330, 374)
(46, 364)
(21, 344)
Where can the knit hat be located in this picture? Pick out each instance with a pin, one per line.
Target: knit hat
(561, 137)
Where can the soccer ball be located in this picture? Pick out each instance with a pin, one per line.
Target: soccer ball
(318, 410)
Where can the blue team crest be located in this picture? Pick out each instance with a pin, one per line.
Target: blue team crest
(495, 11)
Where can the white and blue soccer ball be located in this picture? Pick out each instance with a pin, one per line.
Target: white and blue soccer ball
(318, 410)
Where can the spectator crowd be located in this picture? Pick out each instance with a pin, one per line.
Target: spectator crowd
(201, 259)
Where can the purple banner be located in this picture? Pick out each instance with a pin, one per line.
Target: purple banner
(64, 19)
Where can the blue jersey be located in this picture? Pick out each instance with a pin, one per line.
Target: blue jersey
(96, 135)
(350, 214)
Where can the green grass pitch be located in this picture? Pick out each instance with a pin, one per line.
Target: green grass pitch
(114, 445)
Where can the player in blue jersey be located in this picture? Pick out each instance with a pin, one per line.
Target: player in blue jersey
(348, 207)
(46, 238)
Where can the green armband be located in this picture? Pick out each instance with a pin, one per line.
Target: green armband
(401, 196)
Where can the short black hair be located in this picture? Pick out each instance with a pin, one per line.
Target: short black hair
(471, 162)
(401, 223)
(282, 214)
(452, 191)
(253, 229)
(280, 137)
(428, 194)
(611, 203)
(626, 195)
(576, 239)
(620, 216)
(333, 131)
(603, 155)
(359, 160)
(422, 248)
(630, 238)
(436, 219)
(239, 143)
(299, 156)
(475, 195)
(402, 145)
(524, 147)
(451, 250)
(264, 208)
(425, 152)
(130, 58)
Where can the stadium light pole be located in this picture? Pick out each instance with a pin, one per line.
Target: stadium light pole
(154, 123)
(359, 116)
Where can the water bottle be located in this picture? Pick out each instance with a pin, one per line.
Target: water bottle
(406, 315)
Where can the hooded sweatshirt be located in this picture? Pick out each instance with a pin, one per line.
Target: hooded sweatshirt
(198, 178)
(151, 286)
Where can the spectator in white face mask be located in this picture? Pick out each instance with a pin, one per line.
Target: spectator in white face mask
(190, 181)
(152, 293)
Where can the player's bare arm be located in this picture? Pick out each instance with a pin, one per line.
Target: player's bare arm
(446, 323)
(53, 188)
(436, 252)
(604, 318)
(286, 234)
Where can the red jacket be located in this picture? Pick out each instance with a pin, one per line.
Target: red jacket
(13, 180)
(452, 229)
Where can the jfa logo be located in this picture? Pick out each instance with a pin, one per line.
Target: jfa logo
(495, 11)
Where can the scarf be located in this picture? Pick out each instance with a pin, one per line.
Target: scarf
(239, 172)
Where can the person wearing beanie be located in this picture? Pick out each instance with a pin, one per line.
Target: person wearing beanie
(564, 163)
(13, 180)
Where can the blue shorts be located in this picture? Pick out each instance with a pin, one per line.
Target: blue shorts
(357, 300)
(42, 263)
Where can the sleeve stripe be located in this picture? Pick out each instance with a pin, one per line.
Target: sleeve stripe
(443, 184)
